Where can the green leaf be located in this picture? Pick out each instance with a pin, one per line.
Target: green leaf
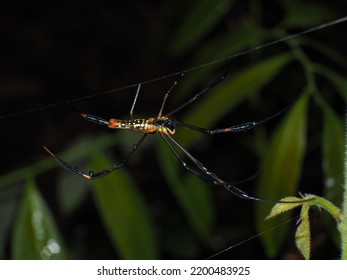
(328, 206)
(229, 94)
(338, 81)
(71, 191)
(323, 48)
(279, 208)
(238, 39)
(281, 171)
(303, 234)
(202, 18)
(123, 212)
(193, 194)
(35, 234)
(297, 14)
(333, 153)
(8, 207)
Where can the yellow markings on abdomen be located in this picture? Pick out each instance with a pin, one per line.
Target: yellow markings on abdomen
(142, 125)
(135, 125)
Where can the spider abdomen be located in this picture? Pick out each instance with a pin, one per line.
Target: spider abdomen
(135, 124)
(148, 126)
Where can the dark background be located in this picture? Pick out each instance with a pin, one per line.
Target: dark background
(53, 52)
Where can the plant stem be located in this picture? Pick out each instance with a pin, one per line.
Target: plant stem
(343, 224)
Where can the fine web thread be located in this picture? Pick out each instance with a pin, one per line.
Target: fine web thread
(220, 60)
(250, 238)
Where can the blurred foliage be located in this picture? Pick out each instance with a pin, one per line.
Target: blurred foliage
(281, 169)
(118, 204)
(35, 234)
(134, 225)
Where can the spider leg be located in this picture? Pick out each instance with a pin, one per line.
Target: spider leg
(184, 164)
(211, 177)
(134, 102)
(243, 127)
(235, 128)
(99, 174)
(207, 175)
(166, 96)
(200, 93)
(89, 117)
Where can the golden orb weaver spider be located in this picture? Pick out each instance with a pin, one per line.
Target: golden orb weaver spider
(165, 125)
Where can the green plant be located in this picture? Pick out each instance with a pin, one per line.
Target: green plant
(263, 81)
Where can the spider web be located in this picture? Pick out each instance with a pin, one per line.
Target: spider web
(134, 85)
(184, 71)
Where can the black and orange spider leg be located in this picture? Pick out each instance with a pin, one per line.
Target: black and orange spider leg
(235, 128)
(207, 175)
(243, 127)
(165, 98)
(92, 174)
(211, 177)
(184, 164)
(199, 94)
(89, 117)
(174, 84)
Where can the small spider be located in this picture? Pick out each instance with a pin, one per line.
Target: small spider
(165, 125)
